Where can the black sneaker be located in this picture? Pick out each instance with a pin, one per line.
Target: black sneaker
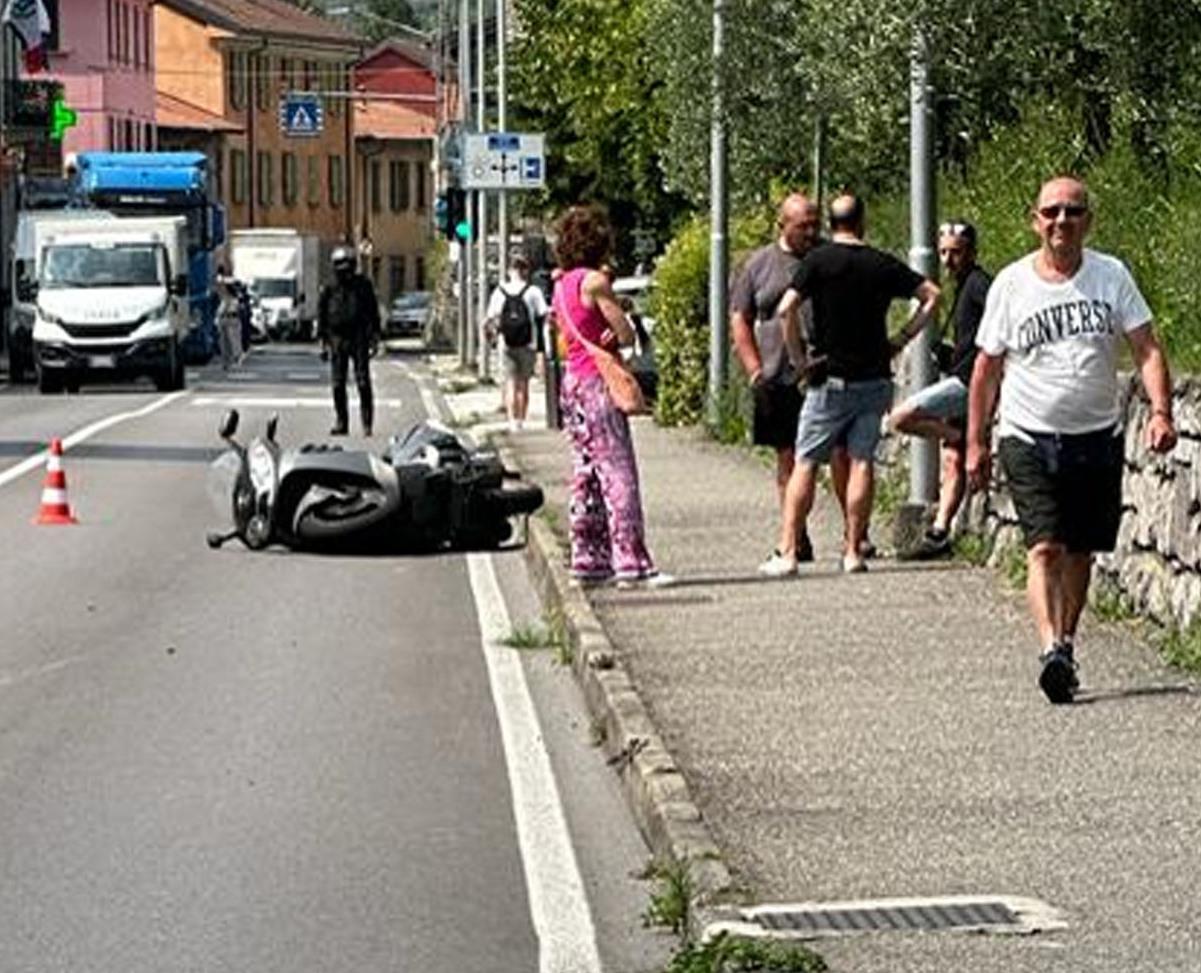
(935, 544)
(804, 548)
(338, 431)
(1058, 680)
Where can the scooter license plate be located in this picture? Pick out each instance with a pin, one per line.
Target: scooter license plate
(102, 361)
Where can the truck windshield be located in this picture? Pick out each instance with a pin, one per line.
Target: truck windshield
(88, 265)
(274, 287)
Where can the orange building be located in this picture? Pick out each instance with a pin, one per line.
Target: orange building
(222, 69)
(395, 131)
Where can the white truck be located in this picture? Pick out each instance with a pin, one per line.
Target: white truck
(281, 267)
(110, 300)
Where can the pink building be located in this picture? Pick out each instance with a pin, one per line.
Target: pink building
(103, 53)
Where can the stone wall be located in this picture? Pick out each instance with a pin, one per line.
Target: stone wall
(1157, 562)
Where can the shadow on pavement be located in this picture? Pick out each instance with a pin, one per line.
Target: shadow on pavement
(1090, 696)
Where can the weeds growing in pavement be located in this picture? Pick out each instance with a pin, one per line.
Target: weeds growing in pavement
(1013, 565)
(529, 637)
(727, 954)
(671, 900)
(1110, 604)
(560, 639)
(892, 492)
(1181, 647)
(972, 547)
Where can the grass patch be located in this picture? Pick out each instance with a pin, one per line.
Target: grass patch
(529, 637)
(726, 954)
(972, 548)
(1110, 604)
(671, 900)
(892, 492)
(1182, 647)
(560, 638)
(1013, 566)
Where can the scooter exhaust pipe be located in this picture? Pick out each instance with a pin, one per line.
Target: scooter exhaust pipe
(216, 539)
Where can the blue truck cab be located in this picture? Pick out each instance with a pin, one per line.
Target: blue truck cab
(164, 184)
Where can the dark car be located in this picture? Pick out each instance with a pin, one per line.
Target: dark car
(408, 314)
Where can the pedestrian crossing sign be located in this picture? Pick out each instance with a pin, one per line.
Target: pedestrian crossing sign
(301, 116)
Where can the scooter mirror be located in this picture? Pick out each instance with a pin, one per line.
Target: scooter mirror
(229, 424)
(272, 425)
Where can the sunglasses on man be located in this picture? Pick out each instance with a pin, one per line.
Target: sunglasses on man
(1072, 211)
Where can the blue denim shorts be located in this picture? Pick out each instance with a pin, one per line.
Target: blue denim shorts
(946, 400)
(839, 413)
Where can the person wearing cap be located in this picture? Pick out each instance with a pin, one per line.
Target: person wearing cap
(1053, 326)
(939, 411)
(348, 324)
(848, 364)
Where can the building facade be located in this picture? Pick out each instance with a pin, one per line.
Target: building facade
(103, 53)
(395, 134)
(235, 60)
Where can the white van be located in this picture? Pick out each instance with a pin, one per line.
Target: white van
(281, 267)
(110, 301)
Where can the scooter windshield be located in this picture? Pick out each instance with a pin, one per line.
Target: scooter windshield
(222, 484)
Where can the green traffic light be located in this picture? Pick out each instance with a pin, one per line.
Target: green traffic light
(61, 118)
(463, 230)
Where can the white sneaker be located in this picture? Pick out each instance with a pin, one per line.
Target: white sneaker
(778, 565)
(853, 565)
(650, 581)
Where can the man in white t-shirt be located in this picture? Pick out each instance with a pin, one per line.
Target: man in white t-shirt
(1051, 327)
(515, 313)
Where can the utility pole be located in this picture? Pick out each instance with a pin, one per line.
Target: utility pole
(466, 303)
(817, 189)
(481, 69)
(923, 455)
(502, 97)
(719, 221)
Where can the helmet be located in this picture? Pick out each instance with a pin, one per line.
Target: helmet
(342, 258)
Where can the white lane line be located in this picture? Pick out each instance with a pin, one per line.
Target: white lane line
(558, 903)
(37, 460)
(267, 402)
(427, 397)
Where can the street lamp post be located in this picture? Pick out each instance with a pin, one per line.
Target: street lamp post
(718, 220)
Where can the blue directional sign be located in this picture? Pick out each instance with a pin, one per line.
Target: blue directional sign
(504, 160)
(531, 169)
(301, 115)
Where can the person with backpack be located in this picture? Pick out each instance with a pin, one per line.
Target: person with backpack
(516, 310)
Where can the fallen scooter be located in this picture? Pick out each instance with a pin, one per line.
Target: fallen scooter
(430, 490)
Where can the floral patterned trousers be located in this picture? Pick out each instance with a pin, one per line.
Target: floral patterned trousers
(605, 508)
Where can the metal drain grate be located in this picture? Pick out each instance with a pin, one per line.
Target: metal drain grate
(931, 917)
(955, 913)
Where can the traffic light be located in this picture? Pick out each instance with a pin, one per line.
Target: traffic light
(442, 215)
(61, 118)
(457, 221)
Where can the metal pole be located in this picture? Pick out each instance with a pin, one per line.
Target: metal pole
(481, 111)
(819, 160)
(718, 256)
(502, 95)
(466, 304)
(923, 456)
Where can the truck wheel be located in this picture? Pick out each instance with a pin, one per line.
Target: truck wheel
(71, 383)
(16, 366)
(48, 382)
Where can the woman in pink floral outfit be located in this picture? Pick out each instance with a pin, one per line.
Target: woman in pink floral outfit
(607, 528)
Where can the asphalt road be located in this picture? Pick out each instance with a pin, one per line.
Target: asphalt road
(235, 761)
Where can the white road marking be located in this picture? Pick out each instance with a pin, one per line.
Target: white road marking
(270, 402)
(303, 376)
(37, 460)
(427, 397)
(558, 903)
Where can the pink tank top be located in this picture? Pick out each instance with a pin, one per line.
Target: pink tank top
(589, 321)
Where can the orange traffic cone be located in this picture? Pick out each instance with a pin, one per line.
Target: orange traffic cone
(55, 509)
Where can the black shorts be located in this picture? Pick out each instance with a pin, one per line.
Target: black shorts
(777, 409)
(1067, 488)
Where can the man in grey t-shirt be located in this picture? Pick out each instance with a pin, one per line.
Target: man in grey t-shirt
(759, 338)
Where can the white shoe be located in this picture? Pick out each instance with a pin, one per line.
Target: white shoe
(651, 581)
(778, 565)
(853, 565)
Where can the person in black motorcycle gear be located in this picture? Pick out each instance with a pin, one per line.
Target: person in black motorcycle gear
(348, 324)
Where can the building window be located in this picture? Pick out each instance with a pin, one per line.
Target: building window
(310, 70)
(398, 189)
(419, 273)
(266, 174)
(112, 135)
(337, 75)
(287, 73)
(374, 184)
(237, 175)
(146, 28)
(262, 76)
(290, 173)
(335, 181)
(236, 64)
(314, 178)
(124, 34)
(112, 31)
(147, 137)
(420, 172)
(129, 134)
(137, 38)
(396, 275)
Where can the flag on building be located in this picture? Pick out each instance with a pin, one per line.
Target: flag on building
(32, 24)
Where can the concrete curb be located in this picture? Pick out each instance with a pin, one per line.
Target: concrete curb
(655, 789)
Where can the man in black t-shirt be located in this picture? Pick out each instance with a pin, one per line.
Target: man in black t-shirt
(939, 411)
(849, 369)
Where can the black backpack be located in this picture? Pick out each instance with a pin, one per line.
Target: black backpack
(515, 325)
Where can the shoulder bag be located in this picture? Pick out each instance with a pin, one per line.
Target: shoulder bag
(620, 383)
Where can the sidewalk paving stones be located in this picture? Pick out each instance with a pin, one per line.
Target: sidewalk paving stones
(882, 736)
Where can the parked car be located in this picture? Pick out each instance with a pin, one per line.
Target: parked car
(634, 292)
(408, 314)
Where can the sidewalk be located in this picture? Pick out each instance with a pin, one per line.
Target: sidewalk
(882, 735)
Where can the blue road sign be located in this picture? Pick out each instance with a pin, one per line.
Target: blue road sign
(504, 142)
(301, 116)
(531, 168)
